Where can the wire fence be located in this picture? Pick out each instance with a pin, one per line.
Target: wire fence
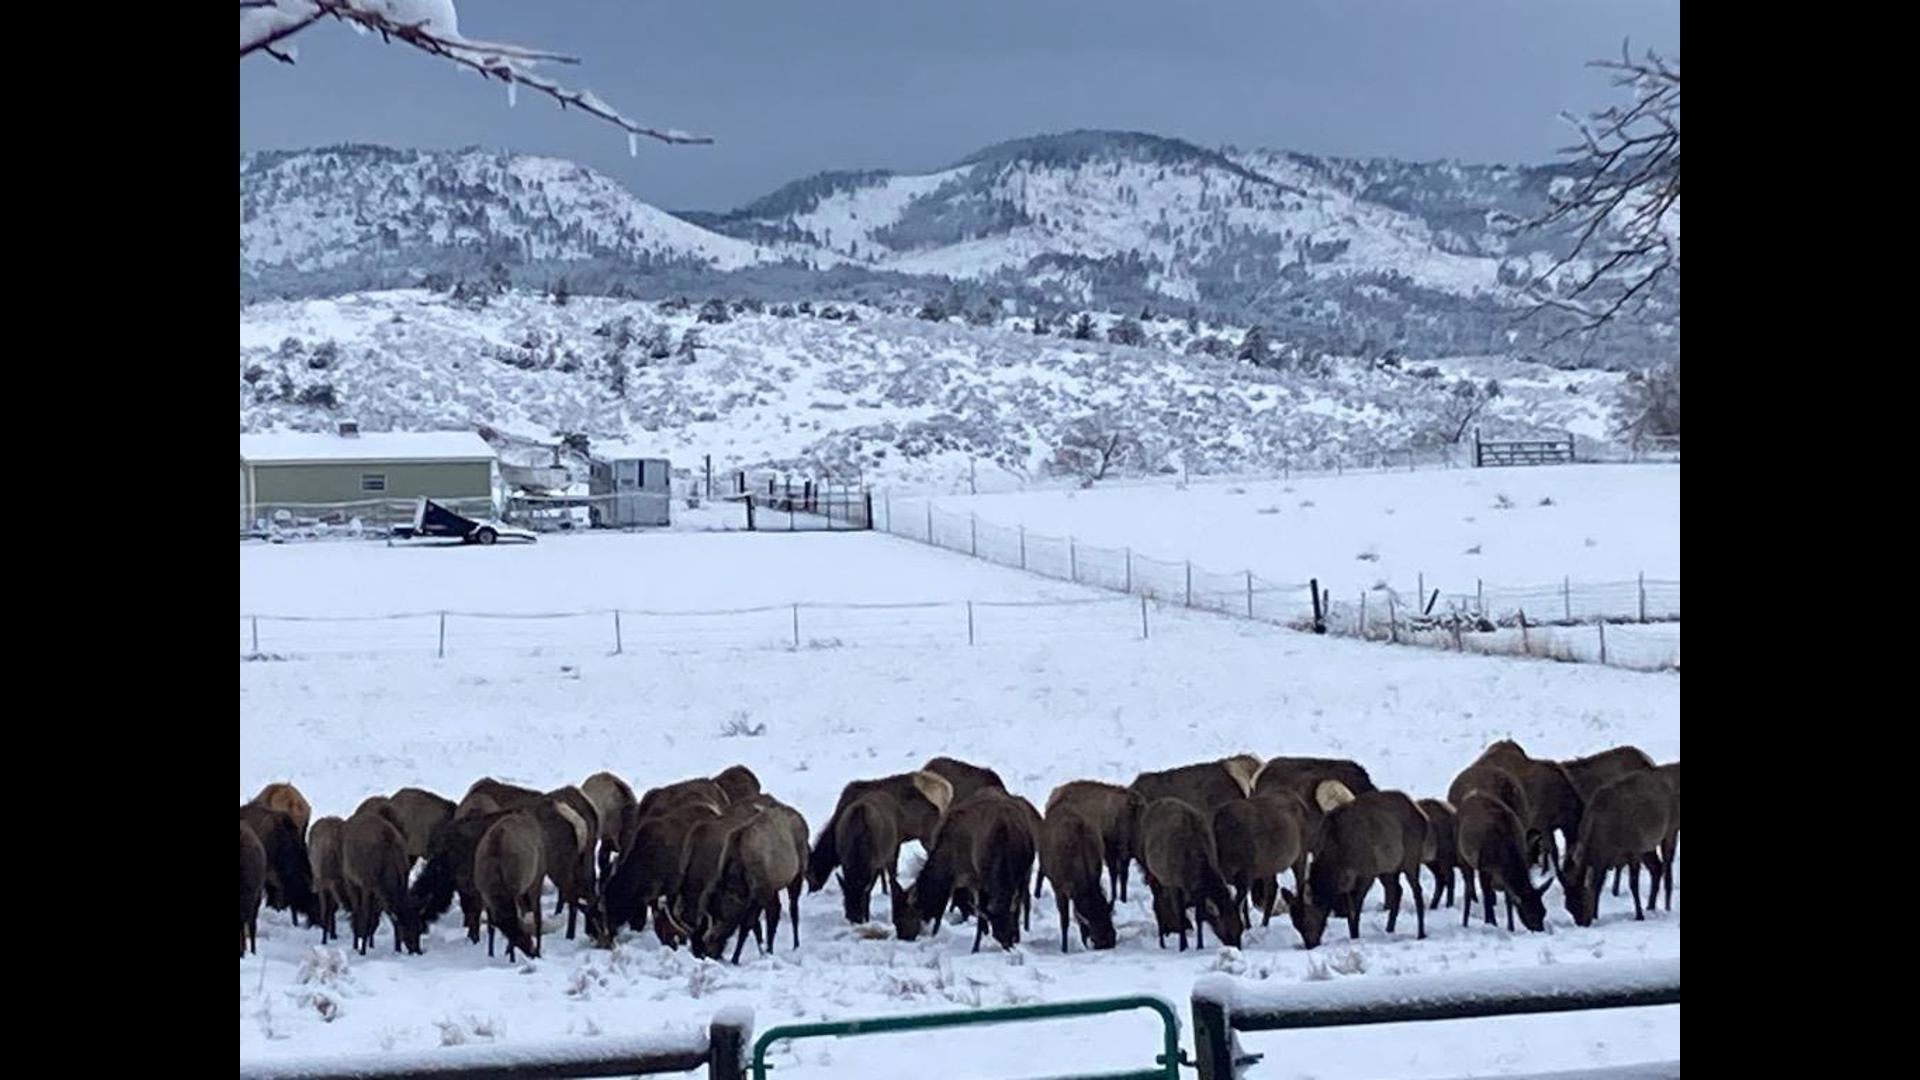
(1631, 624)
(612, 631)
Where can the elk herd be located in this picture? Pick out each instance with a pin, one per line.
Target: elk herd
(710, 859)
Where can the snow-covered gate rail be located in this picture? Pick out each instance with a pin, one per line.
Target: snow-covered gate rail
(1222, 1007)
(721, 1050)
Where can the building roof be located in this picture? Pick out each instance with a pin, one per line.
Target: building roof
(299, 447)
(612, 451)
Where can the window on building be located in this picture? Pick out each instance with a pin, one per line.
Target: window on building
(373, 481)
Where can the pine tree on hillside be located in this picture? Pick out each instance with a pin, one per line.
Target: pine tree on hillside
(1083, 329)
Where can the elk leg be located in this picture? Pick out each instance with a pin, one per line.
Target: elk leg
(740, 942)
(573, 915)
(1486, 895)
(773, 922)
(1355, 904)
(1039, 879)
(1509, 911)
(1633, 875)
(1390, 885)
(1419, 906)
(1616, 881)
(539, 929)
(793, 908)
(979, 928)
(1669, 851)
(490, 940)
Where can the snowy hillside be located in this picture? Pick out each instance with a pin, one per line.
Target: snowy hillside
(1339, 256)
(854, 390)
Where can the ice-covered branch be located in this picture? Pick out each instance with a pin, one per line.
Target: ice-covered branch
(432, 26)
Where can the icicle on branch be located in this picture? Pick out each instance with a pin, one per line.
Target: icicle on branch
(432, 27)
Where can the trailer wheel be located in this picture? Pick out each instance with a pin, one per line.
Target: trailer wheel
(485, 535)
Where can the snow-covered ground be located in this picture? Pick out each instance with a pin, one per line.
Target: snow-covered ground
(1510, 528)
(1041, 707)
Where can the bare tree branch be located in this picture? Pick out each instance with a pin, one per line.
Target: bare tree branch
(272, 21)
(1624, 205)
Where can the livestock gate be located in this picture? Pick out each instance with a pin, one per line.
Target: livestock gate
(1555, 451)
(789, 504)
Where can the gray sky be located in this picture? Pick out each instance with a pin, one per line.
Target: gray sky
(789, 89)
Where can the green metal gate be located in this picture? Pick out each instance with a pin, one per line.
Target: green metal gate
(1166, 1064)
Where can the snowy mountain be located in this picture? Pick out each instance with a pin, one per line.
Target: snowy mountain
(854, 390)
(1338, 256)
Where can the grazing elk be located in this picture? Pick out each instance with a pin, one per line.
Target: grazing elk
(1113, 811)
(1492, 841)
(737, 782)
(699, 867)
(1380, 834)
(253, 880)
(1553, 804)
(965, 777)
(985, 846)
(1072, 853)
(1254, 840)
(329, 882)
(1443, 834)
(867, 837)
(289, 879)
(373, 863)
(509, 866)
(1183, 870)
(700, 789)
(923, 798)
(1503, 785)
(487, 792)
(1302, 776)
(614, 802)
(1205, 786)
(1626, 822)
(647, 872)
(1670, 847)
(1593, 772)
(287, 798)
(570, 828)
(448, 870)
(963, 898)
(763, 856)
(420, 813)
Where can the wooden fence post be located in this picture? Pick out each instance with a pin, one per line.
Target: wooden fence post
(256, 633)
(1073, 563)
(1143, 616)
(1422, 594)
(1363, 614)
(709, 461)
(443, 636)
(869, 506)
(1603, 640)
(727, 1047)
(1566, 596)
(1526, 647)
(969, 622)
(1023, 547)
(1212, 1040)
(1393, 620)
(1480, 597)
(1643, 596)
(796, 626)
(1189, 582)
(616, 633)
(930, 522)
(1129, 587)
(1319, 612)
(749, 513)
(1249, 594)
(973, 535)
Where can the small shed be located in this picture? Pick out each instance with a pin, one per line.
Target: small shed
(312, 474)
(630, 487)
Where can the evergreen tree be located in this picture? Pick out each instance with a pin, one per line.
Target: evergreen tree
(1083, 329)
(1253, 347)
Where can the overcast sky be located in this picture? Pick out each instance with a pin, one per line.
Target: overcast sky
(789, 89)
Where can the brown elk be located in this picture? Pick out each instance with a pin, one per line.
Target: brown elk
(1553, 804)
(700, 864)
(963, 898)
(1492, 840)
(1446, 857)
(374, 865)
(923, 797)
(1183, 870)
(765, 855)
(1205, 786)
(1625, 824)
(965, 777)
(448, 870)
(1072, 853)
(570, 829)
(700, 789)
(509, 867)
(867, 837)
(614, 802)
(1380, 834)
(500, 793)
(329, 882)
(420, 812)
(289, 878)
(1593, 772)
(648, 870)
(1503, 785)
(1670, 847)
(1112, 810)
(985, 846)
(287, 798)
(737, 782)
(253, 880)
(1302, 776)
(1255, 839)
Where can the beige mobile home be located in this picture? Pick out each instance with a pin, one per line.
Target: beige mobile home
(315, 475)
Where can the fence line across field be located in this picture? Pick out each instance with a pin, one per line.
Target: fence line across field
(1531, 620)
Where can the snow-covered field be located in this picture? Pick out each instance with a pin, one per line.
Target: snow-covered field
(1041, 708)
(1603, 523)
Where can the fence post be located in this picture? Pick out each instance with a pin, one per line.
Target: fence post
(1566, 596)
(1526, 647)
(1409, 459)
(969, 622)
(443, 636)
(888, 502)
(1189, 582)
(1249, 594)
(1603, 640)
(1212, 1039)
(1129, 587)
(1363, 614)
(1423, 589)
(1480, 597)
(727, 1047)
(750, 513)
(1143, 616)
(709, 460)
(1073, 563)
(930, 522)
(1319, 610)
(256, 631)
(869, 507)
(1286, 468)
(616, 633)
(1643, 596)
(1023, 547)
(1393, 619)
(973, 535)
(796, 625)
